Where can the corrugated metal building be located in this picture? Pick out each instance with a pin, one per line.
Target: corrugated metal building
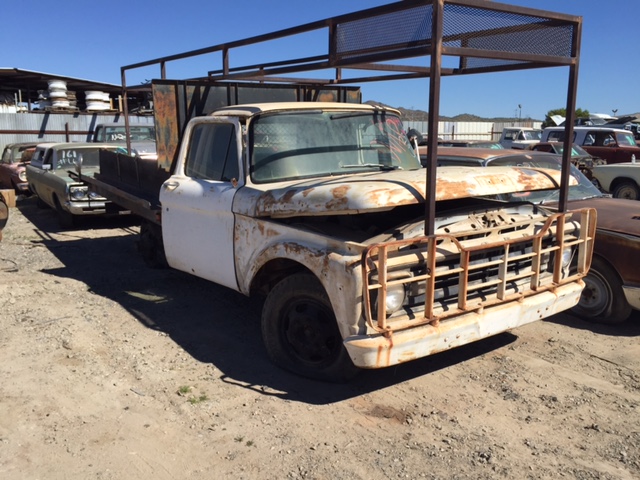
(46, 127)
(471, 130)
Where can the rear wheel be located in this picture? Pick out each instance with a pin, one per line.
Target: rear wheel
(626, 189)
(151, 246)
(300, 332)
(602, 299)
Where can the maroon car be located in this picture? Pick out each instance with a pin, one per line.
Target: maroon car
(612, 288)
(15, 157)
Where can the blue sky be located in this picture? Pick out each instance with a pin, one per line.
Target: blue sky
(93, 40)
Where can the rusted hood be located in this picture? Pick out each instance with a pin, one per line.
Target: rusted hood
(614, 214)
(380, 191)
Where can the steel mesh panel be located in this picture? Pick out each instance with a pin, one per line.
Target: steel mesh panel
(384, 33)
(463, 26)
(490, 30)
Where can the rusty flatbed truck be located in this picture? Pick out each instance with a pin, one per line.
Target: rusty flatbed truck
(365, 259)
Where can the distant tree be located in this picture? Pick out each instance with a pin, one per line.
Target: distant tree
(563, 113)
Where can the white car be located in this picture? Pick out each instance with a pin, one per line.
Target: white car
(520, 137)
(621, 180)
(48, 177)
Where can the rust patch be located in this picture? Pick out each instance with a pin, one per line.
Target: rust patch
(446, 189)
(384, 352)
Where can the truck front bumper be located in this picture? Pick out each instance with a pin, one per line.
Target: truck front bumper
(378, 351)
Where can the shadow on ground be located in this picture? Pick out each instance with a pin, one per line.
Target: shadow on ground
(214, 324)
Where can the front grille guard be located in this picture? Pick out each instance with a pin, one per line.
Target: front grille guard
(550, 239)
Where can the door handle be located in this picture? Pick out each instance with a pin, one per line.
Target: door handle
(170, 185)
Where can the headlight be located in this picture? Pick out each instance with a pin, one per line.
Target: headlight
(22, 176)
(78, 193)
(395, 298)
(567, 255)
(93, 195)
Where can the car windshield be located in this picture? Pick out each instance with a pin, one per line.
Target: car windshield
(69, 157)
(317, 143)
(626, 139)
(584, 189)
(576, 151)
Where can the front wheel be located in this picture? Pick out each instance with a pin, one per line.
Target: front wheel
(300, 332)
(627, 189)
(65, 219)
(602, 299)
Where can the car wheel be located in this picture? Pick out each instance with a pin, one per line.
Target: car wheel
(151, 246)
(626, 189)
(40, 203)
(602, 299)
(4, 214)
(300, 332)
(65, 219)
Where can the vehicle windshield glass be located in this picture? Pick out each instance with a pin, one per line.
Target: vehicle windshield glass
(576, 151)
(533, 135)
(119, 134)
(317, 143)
(626, 139)
(584, 189)
(68, 158)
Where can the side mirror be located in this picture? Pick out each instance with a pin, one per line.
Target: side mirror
(46, 166)
(415, 137)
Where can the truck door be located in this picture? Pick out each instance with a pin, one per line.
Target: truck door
(197, 218)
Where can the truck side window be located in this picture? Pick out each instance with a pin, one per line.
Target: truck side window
(213, 153)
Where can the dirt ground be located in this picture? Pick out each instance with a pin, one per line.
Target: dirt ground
(112, 370)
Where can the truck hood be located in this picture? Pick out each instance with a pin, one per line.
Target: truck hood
(379, 191)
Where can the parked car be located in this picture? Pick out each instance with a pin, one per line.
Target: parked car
(613, 283)
(4, 214)
(15, 157)
(622, 180)
(520, 137)
(582, 159)
(471, 144)
(48, 177)
(614, 145)
(142, 137)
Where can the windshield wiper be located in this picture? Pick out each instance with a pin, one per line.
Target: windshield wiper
(373, 165)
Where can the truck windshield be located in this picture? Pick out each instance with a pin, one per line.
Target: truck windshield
(532, 135)
(118, 134)
(316, 143)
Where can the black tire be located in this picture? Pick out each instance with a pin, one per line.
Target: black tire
(65, 219)
(602, 299)
(300, 333)
(151, 246)
(4, 214)
(39, 202)
(626, 189)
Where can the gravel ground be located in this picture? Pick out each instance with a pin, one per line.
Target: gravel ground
(111, 370)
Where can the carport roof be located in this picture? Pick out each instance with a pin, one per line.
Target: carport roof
(28, 82)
